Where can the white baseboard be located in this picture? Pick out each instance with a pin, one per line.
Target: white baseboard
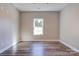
(42, 40)
(7, 47)
(69, 46)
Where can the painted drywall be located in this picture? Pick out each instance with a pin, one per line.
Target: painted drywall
(69, 25)
(9, 26)
(51, 26)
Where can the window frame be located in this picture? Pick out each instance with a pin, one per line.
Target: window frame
(41, 28)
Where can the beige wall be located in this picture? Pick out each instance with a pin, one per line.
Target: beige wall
(69, 25)
(9, 24)
(51, 26)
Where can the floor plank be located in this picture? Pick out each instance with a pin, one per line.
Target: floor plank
(39, 48)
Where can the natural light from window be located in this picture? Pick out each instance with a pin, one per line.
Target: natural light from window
(38, 26)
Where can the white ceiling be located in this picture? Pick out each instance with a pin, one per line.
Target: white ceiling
(40, 6)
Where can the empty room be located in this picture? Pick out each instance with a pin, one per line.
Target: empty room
(39, 29)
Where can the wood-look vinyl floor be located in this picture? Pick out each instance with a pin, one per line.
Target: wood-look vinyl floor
(42, 48)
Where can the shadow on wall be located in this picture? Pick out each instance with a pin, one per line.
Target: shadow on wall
(5, 33)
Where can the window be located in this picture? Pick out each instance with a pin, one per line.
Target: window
(38, 26)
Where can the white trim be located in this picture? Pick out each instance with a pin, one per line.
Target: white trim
(42, 40)
(7, 47)
(69, 46)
